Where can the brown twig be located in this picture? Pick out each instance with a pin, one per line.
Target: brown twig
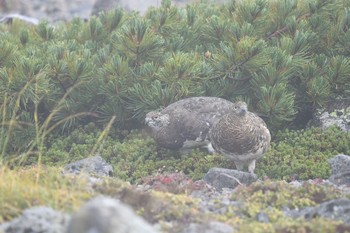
(285, 28)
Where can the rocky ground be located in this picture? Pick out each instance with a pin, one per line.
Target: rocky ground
(224, 201)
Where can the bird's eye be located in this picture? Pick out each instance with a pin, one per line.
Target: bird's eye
(236, 107)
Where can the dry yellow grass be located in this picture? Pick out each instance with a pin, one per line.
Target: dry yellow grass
(25, 187)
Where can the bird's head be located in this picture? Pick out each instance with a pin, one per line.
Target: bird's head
(240, 108)
(156, 119)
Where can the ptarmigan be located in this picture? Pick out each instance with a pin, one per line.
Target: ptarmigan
(241, 135)
(186, 123)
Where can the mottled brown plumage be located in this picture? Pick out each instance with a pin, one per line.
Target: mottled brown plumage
(241, 135)
(186, 123)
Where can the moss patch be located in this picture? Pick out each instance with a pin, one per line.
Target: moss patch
(261, 196)
(270, 197)
(133, 155)
(295, 226)
(303, 154)
(300, 154)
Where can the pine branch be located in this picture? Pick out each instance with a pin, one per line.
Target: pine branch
(280, 31)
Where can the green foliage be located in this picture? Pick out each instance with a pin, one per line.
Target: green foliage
(45, 31)
(7, 54)
(280, 56)
(260, 195)
(303, 154)
(112, 19)
(133, 157)
(138, 43)
(151, 95)
(338, 74)
(293, 154)
(24, 188)
(24, 36)
(271, 198)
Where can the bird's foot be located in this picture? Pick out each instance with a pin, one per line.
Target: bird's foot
(210, 148)
(251, 166)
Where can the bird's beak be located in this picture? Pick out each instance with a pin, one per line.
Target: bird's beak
(244, 110)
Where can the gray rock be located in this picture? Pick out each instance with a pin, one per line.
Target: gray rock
(107, 215)
(221, 178)
(37, 220)
(217, 202)
(340, 169)
(51, 10)
(336, 113)
(210, 227)
(103, 5)
(57, 10)
(7, 19)
(93, 165)
(133, 5)
(326, 120)
(338, 209)
(296, 183)
(262, 217)
(296, 213)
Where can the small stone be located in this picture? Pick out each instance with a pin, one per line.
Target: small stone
(107, 215)
(8, 19)
(133, 5)
(210, 227)
(262, 217)
(336, 113)
(93, 165)
(37, 220)
(296, 184)
(337, 209)
(221, 178)
(340, 169)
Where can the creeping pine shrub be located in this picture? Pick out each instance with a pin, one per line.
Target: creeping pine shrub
(303, 154)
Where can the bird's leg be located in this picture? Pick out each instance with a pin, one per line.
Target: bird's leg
(210, 148)
(239, 165)
(251, 166)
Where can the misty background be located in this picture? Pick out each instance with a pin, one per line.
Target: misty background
(54, 10)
